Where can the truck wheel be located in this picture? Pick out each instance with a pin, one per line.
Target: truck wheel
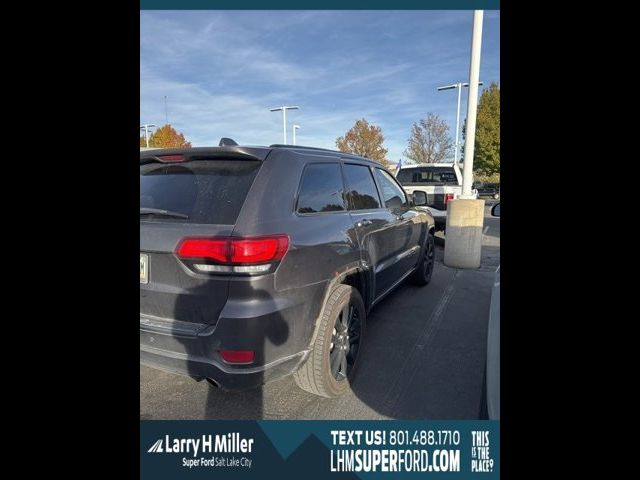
(422, 274)
(332, 362)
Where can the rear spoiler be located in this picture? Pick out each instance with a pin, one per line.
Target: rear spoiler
(180, 155)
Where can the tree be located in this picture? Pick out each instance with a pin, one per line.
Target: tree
(143, 142)
(430, 141)
(486, 156)
(364, 140)
(167, 137)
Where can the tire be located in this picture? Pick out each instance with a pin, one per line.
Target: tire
(422, 275)
(316, 375)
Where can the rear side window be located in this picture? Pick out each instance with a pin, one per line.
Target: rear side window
(392, 194)
(362, 193)
(427, 176)
(321, 189)
(208, 191)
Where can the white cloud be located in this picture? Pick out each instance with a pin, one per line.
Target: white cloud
(222, 71)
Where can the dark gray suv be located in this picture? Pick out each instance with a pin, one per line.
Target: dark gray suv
(259, 262)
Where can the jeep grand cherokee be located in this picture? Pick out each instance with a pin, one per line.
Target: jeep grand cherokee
(259, 262)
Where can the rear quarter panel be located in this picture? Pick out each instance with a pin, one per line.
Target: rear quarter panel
(321, 245)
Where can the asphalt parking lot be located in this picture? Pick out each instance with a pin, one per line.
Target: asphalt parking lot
(423, 358)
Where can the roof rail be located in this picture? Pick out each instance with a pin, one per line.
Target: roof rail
(279, 145)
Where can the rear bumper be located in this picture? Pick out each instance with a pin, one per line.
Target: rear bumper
(276, 326)
(226, 377)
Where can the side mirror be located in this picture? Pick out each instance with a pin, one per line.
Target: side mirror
(419, 198)
(495, 210)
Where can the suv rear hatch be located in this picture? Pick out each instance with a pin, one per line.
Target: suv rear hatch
(201, 197)
(437, 182)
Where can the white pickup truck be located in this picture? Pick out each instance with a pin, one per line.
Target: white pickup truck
(442, 182)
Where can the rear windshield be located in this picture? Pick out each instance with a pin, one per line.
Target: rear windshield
(208, 191)
(428, 176)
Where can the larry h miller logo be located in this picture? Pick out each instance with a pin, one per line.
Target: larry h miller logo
(156, 447)
(192, 449)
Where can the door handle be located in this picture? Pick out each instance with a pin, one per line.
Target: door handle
(363, 223)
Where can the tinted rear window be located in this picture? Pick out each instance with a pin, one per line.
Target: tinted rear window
(321, 189)
(210, 192)
(428, 175)
(362, 193)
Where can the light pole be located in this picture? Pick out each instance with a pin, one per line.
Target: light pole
(465, 214)
(472, 103)
(284, 119)
(295, 127)
(459, 86)
(146, 128)
(166, 111)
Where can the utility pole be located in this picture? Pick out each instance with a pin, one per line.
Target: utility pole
(146, 128)
(284, 119)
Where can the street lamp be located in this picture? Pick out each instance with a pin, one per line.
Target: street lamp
(146, 128)
(463, 248)
(459, 87)
(284, 119)
(295, 127)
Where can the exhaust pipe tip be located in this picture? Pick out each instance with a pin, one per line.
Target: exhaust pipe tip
(213, 382)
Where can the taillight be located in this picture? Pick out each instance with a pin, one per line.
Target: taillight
(171, 158)
(213, 249)
(238, 255)
(448, 197)
(258, 250)
(238, 356)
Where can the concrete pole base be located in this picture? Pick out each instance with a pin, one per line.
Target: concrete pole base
(463, 238)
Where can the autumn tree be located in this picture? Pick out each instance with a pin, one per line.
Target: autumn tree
(486, 157)
(365, 140)
(167, 137)
(143, 142)
(429, 141)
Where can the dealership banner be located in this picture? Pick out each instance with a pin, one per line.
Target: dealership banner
(313, 449)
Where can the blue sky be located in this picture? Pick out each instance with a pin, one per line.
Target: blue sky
(223, 70)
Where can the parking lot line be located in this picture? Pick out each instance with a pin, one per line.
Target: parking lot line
(397, 391)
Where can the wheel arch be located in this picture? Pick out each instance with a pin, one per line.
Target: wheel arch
(356, 277)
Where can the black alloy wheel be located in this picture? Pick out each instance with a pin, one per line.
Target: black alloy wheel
(345, 342)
